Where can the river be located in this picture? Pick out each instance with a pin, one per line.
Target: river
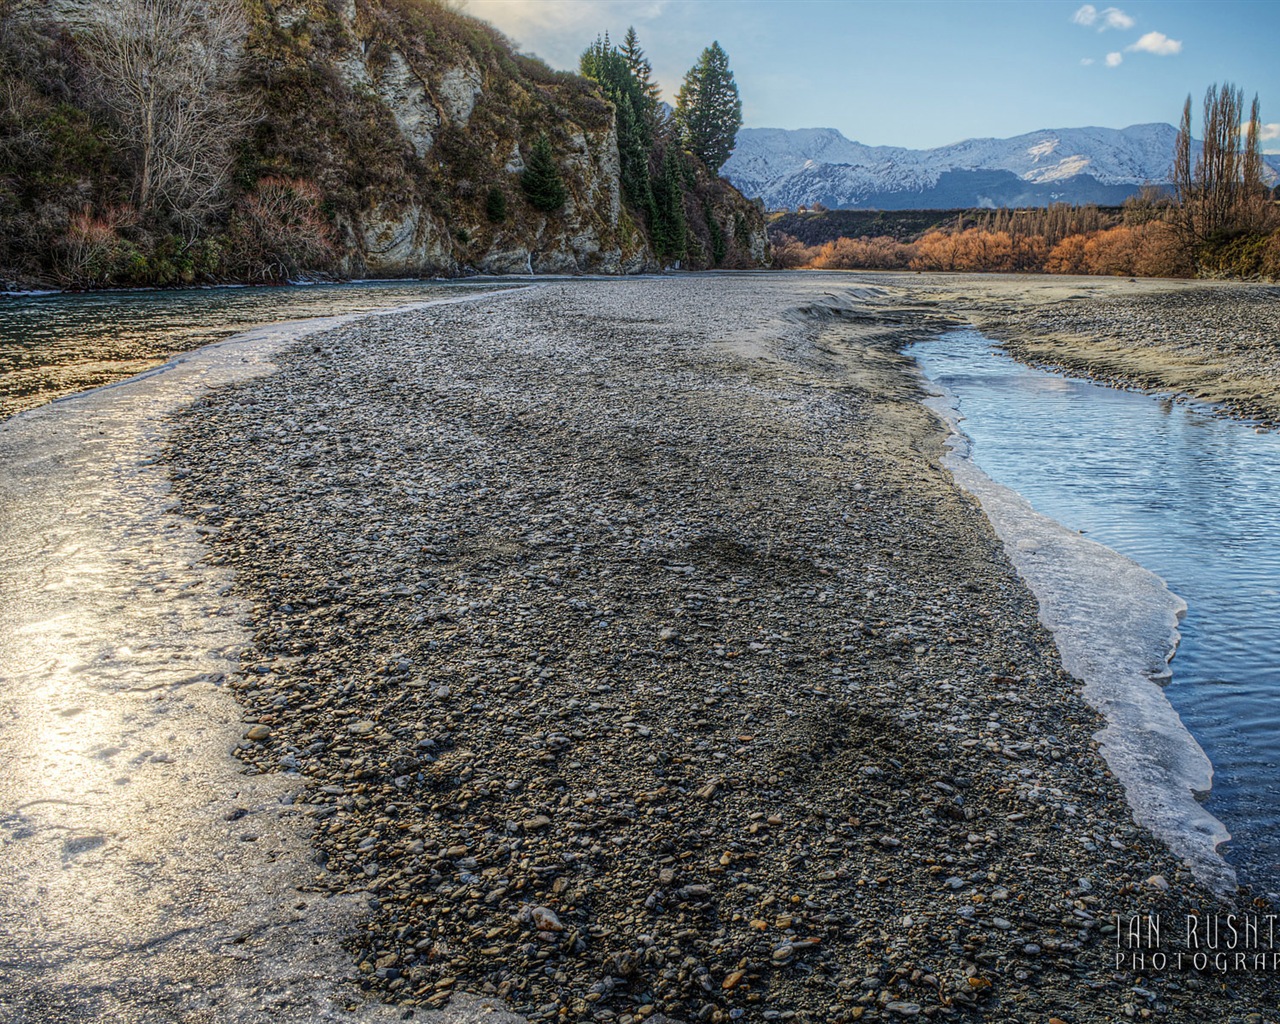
(144, 877)
(1190, 496)
(61, 344)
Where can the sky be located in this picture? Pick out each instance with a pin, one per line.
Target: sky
(924, 73)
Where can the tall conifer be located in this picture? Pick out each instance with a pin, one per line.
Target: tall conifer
(708, 109)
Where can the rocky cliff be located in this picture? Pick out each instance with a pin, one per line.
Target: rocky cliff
(443, 112)
(410, 124)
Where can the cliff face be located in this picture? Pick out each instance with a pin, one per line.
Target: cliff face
(450, 114)
(406, 122)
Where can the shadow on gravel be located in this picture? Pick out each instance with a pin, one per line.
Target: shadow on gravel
(716, 548)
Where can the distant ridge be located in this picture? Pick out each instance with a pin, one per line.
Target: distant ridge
(800, 167)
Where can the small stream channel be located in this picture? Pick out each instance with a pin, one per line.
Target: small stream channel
(1191, 497)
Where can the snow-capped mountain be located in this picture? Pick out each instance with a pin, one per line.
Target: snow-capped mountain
(789, 168)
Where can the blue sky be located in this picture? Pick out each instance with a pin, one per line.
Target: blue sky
(930, 72)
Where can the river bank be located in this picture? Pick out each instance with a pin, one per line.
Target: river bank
(1216, 342)
(642, 660)
(54, 345)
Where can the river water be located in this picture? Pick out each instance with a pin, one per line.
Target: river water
(57, 345)
(144, 877)
(1193, 498)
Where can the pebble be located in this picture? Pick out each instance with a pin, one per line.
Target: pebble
(540, 793)
(545, 920)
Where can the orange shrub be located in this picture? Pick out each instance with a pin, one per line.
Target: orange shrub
(984, 251)
(789, 253)
(1030, 253)
(1068, 256)
(879, 253)
(935, 251)
(1161, 252)
(1111, 252)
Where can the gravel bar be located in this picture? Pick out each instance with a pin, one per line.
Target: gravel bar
(639, 662)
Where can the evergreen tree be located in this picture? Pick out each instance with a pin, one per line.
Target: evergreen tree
(668, 223)
(718, 247)
(708, 109)
(495, 205)
(541, 179)
(642, 72)
(603, 63)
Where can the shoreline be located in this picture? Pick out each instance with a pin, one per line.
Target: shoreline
(1210, 342)
(576, 563)
(1166, 778)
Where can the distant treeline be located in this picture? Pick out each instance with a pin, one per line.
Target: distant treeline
(1144, 238)
(818, 225)
(1216, 219)
(1135, 239)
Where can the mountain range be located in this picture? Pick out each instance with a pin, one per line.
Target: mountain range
(791, 168)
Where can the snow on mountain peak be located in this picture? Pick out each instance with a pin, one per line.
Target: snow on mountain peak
(802, 166)
(1043, 148)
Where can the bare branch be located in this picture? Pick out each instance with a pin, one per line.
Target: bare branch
(166, 70)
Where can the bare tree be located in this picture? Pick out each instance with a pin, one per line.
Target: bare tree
(1223, 190)
(1257, 213)
(166, 70)
(1219, 168)
(1184, 181)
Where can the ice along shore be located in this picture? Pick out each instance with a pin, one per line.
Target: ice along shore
(641, 660)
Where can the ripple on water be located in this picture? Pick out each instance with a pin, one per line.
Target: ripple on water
(1192, 497)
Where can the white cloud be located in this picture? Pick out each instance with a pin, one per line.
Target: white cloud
(1158, 43)
(1114, 60)
(1087, 15)
(1269, 132)
(1086, 61)
(1112, 17)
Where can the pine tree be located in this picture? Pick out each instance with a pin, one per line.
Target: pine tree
(495, 205)
(541, 179)
(606, 65)
(642, 72)
(718, 247)
(708, 109)
(669, 232)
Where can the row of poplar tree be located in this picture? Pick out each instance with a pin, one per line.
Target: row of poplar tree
(656, 143)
